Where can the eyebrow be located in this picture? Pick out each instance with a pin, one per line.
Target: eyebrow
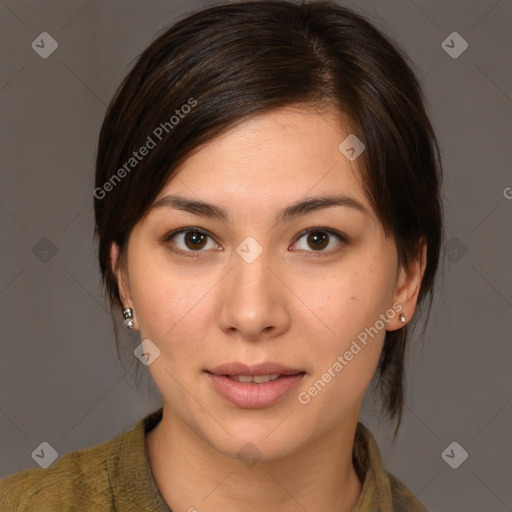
(297, 209)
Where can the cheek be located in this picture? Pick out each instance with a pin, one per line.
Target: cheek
(342, 305)
(173, 311)
(347, 322)
(151, 296)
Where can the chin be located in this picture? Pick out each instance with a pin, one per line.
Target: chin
(264, 439)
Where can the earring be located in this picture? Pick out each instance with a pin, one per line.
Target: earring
(128, 317)
(402, 318)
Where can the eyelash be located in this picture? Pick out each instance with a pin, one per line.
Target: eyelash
(310, 254)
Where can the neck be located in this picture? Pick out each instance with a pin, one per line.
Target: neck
(191, 475)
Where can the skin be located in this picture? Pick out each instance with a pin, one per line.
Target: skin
(284, 307)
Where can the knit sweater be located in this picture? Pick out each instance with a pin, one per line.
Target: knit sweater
(115, 476)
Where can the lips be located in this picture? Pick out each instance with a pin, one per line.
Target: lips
(255, 386)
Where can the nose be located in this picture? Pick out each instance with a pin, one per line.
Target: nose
(254, 302)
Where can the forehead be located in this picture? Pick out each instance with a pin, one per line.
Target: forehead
(272, 159)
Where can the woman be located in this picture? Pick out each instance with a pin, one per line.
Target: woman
(268, 214)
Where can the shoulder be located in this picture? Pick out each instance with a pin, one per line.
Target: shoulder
(80, 477)
(403, 499)
(382, 490)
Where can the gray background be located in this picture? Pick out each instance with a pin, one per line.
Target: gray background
(60, 380)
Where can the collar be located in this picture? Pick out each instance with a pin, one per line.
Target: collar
(134, 486)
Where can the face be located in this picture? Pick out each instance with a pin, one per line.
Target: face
(266, 290)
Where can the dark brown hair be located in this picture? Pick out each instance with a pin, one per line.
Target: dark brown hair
(236, 60)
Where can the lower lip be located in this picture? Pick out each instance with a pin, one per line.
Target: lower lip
(254, 396)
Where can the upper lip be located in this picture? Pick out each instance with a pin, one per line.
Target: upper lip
(257, 369)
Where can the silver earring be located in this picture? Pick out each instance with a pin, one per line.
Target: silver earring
(402, 318)
(128, 317)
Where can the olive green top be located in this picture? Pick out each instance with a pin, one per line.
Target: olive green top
(116, 476)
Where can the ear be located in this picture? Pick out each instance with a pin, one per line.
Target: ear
(408, 286)
(123, 282)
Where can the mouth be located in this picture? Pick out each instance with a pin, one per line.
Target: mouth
(254, 387)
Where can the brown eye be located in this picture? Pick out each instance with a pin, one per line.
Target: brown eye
(195, 240)
(190, 240)
(317, 240)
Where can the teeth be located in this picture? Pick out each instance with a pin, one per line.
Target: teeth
(261, 379)
(243, 378)
(258, 379)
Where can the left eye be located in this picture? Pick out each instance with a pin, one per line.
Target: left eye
(319, 239)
